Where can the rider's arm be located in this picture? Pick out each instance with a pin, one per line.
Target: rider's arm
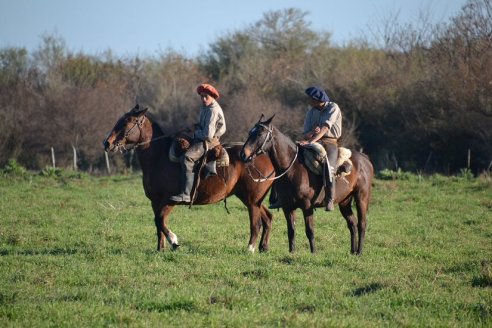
(317, 136)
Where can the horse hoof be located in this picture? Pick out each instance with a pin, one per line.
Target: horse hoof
(263, 249)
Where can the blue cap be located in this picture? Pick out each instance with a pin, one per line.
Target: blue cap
(317, 94)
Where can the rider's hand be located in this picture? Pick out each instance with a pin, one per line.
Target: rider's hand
(317, 129)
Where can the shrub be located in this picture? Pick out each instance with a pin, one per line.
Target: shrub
(387, 174)
(51, 172)
(466, 174)
(14, 168)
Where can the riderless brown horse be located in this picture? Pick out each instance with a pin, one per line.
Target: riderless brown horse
(298, 187)
(135, 130)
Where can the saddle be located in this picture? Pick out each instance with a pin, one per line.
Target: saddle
(214, 157)
(315, 157)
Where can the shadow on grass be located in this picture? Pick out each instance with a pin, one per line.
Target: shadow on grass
(186, 306)
(47, 251)
(256, 274)
(288, 260)
(483, 281)
(306, 308)
(367, 289)
(59, 251)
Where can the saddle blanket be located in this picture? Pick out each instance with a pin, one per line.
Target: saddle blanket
(315, 156)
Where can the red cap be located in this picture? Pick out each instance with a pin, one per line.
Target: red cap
(207, 88)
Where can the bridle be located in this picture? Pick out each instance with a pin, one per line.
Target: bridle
(128, 133)
(261, 150)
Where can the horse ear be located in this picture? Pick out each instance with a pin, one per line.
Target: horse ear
(136, 108)
(138, 111)
(141, 111)
(269, 120)
(261, 117)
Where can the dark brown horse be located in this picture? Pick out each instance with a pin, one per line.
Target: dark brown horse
(135, 130)
(298, 187)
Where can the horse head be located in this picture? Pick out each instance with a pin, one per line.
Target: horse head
(259, 140)
(127, 132)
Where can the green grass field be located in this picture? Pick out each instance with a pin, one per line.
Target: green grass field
(80, 251)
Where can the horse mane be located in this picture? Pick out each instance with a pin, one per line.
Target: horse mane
(285, 138)
(152, 118)
(159, 130)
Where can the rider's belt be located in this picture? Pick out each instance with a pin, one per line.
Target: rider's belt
(333, 141)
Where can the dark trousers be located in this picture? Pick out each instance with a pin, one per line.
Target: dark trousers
(332, 154)
(188, 162)
(193, 154)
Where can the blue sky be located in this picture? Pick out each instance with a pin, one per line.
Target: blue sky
(149, 27)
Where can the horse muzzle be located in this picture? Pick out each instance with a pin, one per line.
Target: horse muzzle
(105, 144)
(109, 146)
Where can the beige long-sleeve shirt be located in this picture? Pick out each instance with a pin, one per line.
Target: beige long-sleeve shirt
(212, 122)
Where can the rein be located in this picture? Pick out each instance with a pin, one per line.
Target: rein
(261, 150)
(149, 141)
(268, 177)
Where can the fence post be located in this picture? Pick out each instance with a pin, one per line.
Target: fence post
(469, 158)
(131, 160)
(107, 162)
(53, 157)
(74, 158)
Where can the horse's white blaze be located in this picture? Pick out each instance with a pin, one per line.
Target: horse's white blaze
(251, 248)
(172, 238)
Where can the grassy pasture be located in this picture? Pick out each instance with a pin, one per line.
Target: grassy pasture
(80, 251)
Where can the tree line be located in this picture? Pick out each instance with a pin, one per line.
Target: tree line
(414, 96)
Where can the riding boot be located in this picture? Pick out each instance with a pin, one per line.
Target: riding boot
(184, 196)
(330, 190)
(330, 196)
(274, 200)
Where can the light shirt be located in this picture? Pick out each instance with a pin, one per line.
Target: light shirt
(212, 122)
(330, 116)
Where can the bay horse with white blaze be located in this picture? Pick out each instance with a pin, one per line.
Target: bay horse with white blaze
(298, 187)
(161, 177)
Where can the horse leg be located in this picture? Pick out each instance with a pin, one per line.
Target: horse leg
(160, 234)
(266, 220)
(362, 205)
(254, 226)
(346, 210)
(309, 222)
(161, 220)
(291, 229)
